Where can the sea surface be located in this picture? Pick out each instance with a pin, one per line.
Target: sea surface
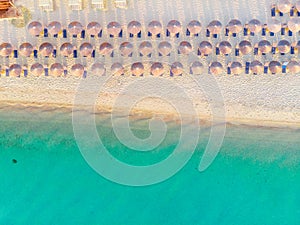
(255, 179)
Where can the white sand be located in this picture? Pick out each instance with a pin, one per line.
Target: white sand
(260, 100)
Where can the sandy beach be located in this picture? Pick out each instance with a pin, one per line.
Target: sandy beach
(264, 100)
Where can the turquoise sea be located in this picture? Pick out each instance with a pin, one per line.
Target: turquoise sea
(44, 179)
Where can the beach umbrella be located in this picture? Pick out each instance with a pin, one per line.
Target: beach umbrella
(6, 49)
(75, 28)
(284, 6)
(254, 26)
(154, 27)
(117, 69)
(46, 49)
(54, 27)
(235, 26)
(185, 47)
(93, 28)
(284, 46)
(177, 68)
(196, 68)
(256, 67)
(294, 24)
(86, 49)
(114, 28)
(106, 48)
(214, 27)
(274, 25)
(216, 68)
(205, 48)
(145, 48)
(77, 70)
(264, 46)
(66, 49)
(236, 68)
(37, 69)
(157, 69)
(126, 48)
(164, 48)
(225, 47)
(56, 70)
(293, 67)
(275, 67)
(245, 47)
(35, 28)
(174, 27)
(98, 69)
(137, 69)
(194, 27)
(134, 27)
(26, 49)
(15, 70)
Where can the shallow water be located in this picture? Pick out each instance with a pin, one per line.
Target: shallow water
(255, 179)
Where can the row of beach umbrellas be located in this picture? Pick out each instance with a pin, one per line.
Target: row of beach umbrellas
(154, 68)
(146, 48)
(155, 28)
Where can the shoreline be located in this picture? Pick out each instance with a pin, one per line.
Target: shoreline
(137, 114)
(268, 101)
